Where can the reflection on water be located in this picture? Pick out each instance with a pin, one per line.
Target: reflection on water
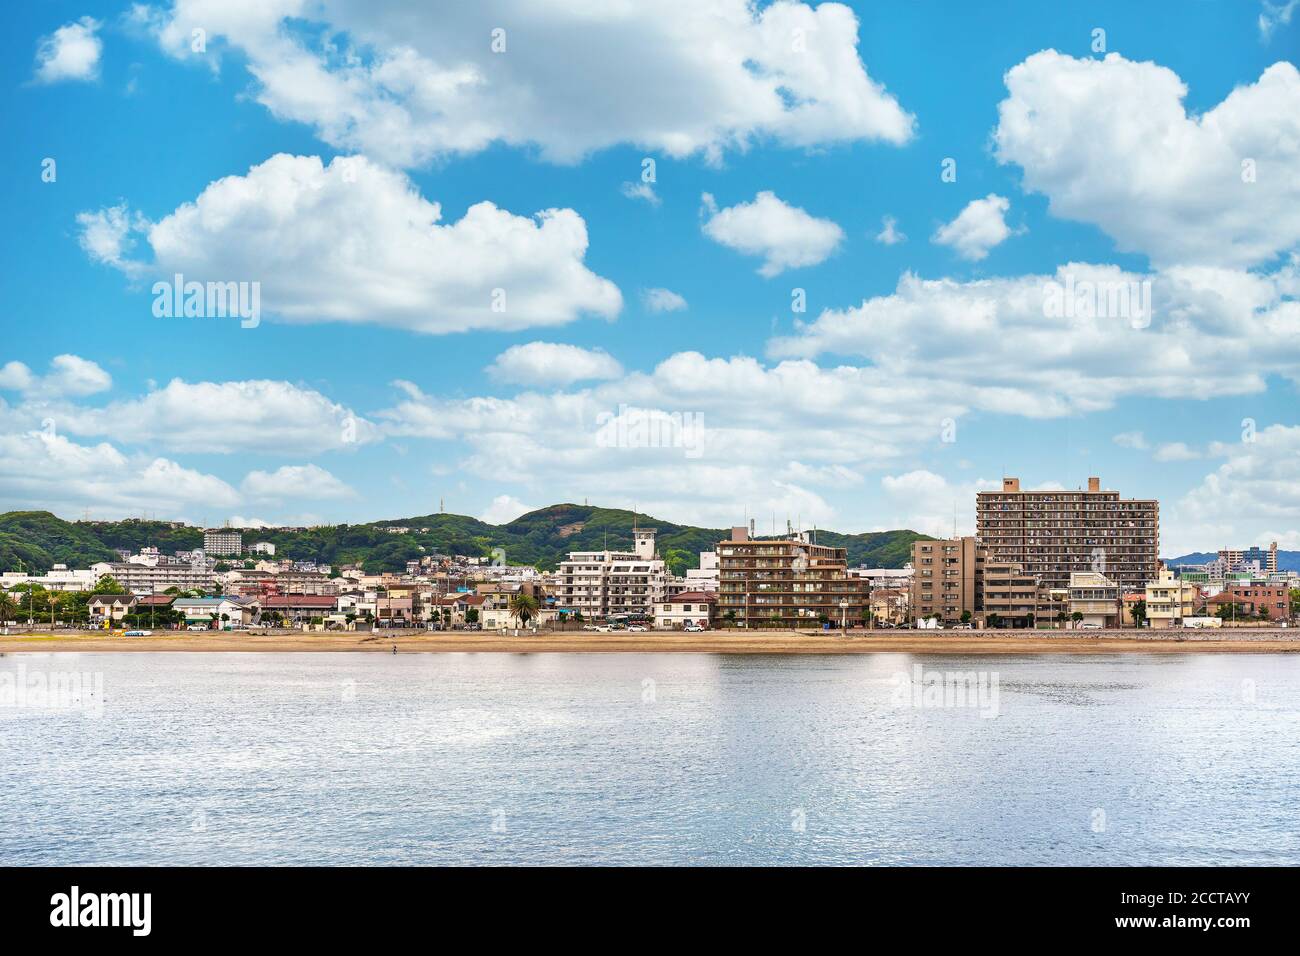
(656, 759)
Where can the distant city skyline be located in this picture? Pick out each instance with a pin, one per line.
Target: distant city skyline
(798, 269)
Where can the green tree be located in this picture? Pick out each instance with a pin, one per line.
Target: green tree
(523, 608)
(1230, 611)
(995, 620)
(471, 616)
(107, 585)
(965, 617)
(1138, 612)
(678, 560)
(1076, 617)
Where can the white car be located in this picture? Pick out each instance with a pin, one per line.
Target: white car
(693, 628)
(636, 627)
(198, 627)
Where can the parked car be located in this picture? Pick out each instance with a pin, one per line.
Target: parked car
(1091, 627)
(197, 627)
(138, 634)
(636, 627)
(694, 628)
(591, 627)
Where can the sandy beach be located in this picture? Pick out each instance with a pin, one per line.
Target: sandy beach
(708, 642)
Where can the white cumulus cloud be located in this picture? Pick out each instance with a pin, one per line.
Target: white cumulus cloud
(294, 483)
(69, 376)
(662, 300)
(550, 363)
(785, 236)
(1109, 142)
(407, 85)
(356, 242)
(978, 228)
(70, 53)
(504, 509)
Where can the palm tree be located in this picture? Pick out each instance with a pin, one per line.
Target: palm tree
(8, 608)
(523, 607)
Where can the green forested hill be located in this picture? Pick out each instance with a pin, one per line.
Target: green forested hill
(39, 539)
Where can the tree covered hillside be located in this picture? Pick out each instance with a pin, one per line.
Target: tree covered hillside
(541, 538)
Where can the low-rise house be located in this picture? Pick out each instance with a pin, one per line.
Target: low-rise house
(216, 611)
(1262, 601)
(110, 607)
(688, 607)
(890, 606)
(1095, 597)
(1170, 601)
(296, 608)
(393, 611)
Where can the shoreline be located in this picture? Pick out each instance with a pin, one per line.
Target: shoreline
(707, 642)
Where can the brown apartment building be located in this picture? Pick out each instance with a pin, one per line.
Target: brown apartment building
(1051, 534)
(944, 577)
(955, 577)
(787, 582)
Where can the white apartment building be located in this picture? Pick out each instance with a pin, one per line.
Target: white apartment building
(223, 541)
(705, 577)
(1096, 597)
(143, 579)
(59, 578)
(891, 578)
(604, 584)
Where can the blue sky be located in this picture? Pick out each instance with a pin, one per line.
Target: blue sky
(837, 415)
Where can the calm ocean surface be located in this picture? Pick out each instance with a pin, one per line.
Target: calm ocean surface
(654, 759)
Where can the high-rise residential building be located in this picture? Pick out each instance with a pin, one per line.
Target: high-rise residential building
(223, 542)
(1053, 534)
(944, 575)
(613, 584)
(787, 582)
(1253, 558)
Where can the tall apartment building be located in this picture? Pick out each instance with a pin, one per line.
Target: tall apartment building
(223, 542)
(787, 582)
(944, 577)
(1264, 559)
(608, 584)
(1053, 534)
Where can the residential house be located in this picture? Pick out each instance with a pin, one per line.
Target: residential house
(688, 607)
(110, 607)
